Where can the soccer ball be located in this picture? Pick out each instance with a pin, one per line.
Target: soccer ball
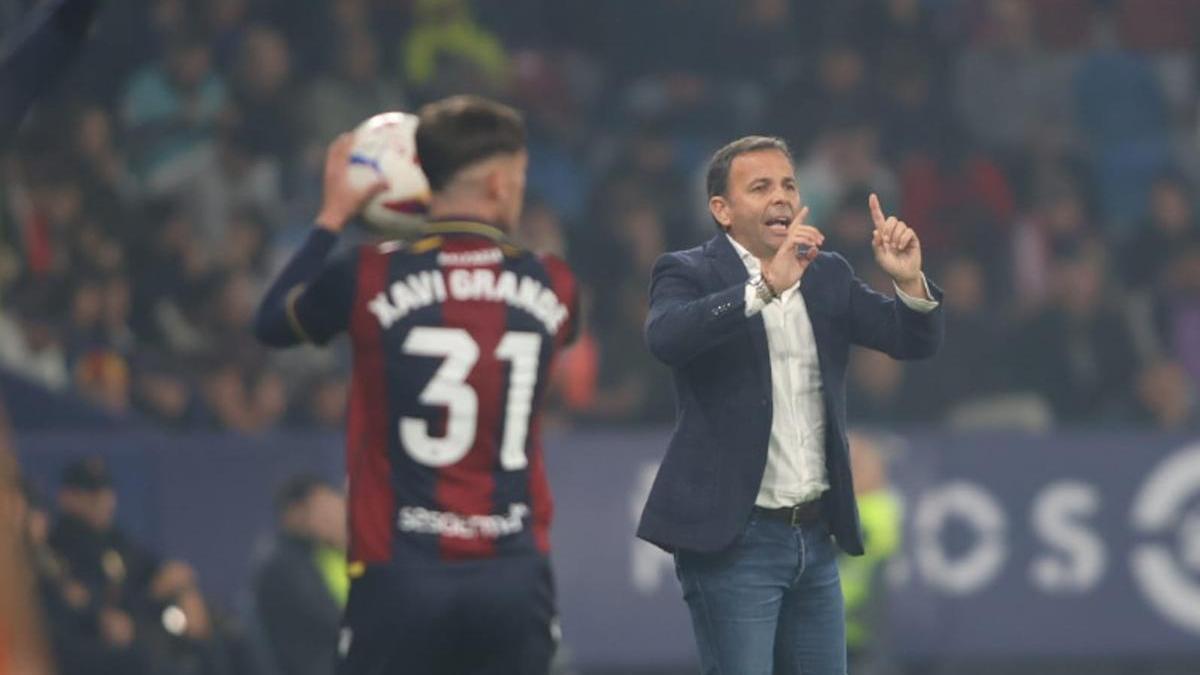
(386, 146)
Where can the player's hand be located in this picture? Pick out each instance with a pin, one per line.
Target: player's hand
(340, 201)
(786, 268)
(897, 250)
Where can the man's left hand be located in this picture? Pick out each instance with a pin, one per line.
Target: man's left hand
(897, 250)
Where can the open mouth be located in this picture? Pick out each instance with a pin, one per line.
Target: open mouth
(778, 224)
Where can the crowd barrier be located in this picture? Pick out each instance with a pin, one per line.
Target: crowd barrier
(1014, 545)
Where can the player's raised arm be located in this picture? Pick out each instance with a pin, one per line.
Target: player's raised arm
(308, 301)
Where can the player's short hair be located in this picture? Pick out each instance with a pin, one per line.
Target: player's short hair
(722, 160)
(297, 490)
(459, 131)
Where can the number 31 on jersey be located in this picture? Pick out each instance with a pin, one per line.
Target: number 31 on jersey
(449, 388)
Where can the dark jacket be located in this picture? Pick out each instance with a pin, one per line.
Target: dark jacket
(710, 477)
(298, 613)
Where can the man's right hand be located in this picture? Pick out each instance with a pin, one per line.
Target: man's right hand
(340, 200)
(785, 268)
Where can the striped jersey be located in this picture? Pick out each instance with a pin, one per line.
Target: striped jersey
(452, 339)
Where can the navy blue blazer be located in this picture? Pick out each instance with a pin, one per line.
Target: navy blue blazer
(710, 477)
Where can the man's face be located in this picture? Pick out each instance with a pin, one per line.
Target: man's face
(188, 66)
(760, 202)
(327, 517)
(97, 508)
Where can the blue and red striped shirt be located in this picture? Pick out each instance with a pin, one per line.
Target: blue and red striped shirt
(452, 338)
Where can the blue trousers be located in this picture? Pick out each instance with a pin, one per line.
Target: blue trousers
(770, 604)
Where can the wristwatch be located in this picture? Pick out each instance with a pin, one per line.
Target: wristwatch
(761, 289)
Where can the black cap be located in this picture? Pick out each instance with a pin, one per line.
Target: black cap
(89, 474)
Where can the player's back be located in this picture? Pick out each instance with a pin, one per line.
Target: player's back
(453, 337)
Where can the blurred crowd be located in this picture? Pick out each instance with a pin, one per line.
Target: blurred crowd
(1044, 151)
(112, 606)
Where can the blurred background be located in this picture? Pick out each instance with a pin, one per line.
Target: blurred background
(1034, 491)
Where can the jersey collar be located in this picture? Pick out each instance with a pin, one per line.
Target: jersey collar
(465, 226)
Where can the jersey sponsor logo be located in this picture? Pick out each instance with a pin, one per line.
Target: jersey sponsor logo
(425, 288)
(487, 256)
(426, 521)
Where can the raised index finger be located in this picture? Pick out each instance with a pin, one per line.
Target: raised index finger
(799, 219)
(876, 211)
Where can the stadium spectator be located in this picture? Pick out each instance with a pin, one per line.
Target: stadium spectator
(973, 366)
(862, 580)
(845, 156)
(158, 599)
(448, 51)
(171, 113)
(351, 90)
(163, 391)
(1179, 306)
(1168, 231)
(87, 636)
(1002, 89)
(29, 344)
(300, 588)
(960, 199)
(1123, 114)
(264, 99)
(839, 89)
(1057, 227)
(877, 390)
(1078, 352)
(101, 556)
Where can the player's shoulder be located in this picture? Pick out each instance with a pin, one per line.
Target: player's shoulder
(401, 253)
(686, 260)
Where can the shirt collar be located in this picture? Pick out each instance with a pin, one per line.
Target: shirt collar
(466, 226)
(753, 266)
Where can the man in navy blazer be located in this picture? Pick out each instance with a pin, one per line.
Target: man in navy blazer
(756, 325)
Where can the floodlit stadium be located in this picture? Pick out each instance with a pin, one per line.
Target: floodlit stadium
(599, 338)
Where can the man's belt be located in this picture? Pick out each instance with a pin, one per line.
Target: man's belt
(808, 513)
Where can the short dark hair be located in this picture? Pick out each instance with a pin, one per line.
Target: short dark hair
(297, 490)
(722, 160)
(456, 132)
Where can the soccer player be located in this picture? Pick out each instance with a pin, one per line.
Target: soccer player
(452, 338)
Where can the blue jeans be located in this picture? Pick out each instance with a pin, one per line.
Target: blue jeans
(770, 604)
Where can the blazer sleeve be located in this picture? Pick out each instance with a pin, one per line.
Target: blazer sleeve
(684, 321)
(888, 325)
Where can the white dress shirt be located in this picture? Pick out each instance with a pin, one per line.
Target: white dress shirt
(795, 471)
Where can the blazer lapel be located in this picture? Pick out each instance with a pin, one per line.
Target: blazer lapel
(732, 271)
(815, 290)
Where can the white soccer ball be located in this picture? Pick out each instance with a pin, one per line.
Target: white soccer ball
(386, 146)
